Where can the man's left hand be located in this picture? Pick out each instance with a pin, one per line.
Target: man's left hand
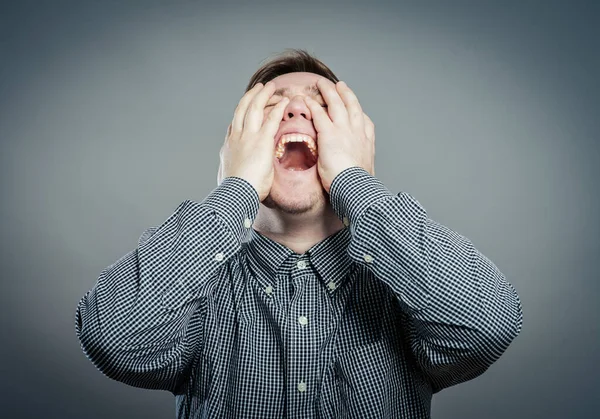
(345, 134)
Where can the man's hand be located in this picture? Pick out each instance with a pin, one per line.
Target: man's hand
(249, 147)
(345, 137)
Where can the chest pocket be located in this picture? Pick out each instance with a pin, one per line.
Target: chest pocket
(362, 317)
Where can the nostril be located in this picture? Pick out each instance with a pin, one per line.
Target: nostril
(291, 115)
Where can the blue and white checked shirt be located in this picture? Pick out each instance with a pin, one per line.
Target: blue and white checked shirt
(368, 323)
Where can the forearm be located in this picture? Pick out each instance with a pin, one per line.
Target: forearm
(140, 323)
(462, 311)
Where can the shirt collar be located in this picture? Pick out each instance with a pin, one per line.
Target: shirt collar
(329, 258)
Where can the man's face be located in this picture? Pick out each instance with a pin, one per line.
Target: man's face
(296, 186)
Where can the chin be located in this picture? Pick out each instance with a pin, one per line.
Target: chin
(298, 200)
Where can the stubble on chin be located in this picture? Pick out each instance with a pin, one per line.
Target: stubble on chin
(292, 206)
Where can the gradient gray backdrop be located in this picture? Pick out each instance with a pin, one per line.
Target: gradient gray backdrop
(112, 113)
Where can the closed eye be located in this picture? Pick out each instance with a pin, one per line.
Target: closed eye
(273, 104)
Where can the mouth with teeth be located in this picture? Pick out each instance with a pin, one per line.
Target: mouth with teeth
(296, 152)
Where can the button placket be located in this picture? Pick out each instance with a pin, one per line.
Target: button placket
(301, 332)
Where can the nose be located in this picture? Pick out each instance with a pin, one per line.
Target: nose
(297, 108)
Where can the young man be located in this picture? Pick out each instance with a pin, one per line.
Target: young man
(301, 286)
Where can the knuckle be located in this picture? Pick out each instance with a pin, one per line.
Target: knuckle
(238, 108)
(353, 102)
(255, 106)
(247, 97)
(243, 103)
(253, 111)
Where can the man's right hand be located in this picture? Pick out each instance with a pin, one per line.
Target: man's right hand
(249, 147)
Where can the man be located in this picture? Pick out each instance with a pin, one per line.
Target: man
(299, 287)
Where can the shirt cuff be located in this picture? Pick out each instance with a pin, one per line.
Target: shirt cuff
(353, 191)
(236, 202)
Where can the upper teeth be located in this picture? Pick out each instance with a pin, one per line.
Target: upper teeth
(295, 138)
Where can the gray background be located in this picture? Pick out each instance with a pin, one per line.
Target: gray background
(112, 113)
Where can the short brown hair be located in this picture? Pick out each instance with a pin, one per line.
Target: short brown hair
(290, 61)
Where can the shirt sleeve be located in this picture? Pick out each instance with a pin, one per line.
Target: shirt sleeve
(142, 322)
(461, 312)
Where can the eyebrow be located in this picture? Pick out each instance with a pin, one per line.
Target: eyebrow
(313, 90)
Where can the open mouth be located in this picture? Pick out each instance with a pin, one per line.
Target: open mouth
(296, 152)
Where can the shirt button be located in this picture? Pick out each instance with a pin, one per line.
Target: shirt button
(331, 285)
(303, 320)
(269, 290)
(301, 386)
(368, 258)
(247, 223)
(301, 264)
(219, 256)
(346, 221)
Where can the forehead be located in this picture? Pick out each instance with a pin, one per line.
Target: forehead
(296, 81)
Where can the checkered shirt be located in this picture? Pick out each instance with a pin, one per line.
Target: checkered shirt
(368, 323)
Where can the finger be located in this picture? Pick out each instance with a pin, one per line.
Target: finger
(370, 132)
(240, 110)
(369, 127)
(319, 115)
(228, 133)
(271, 124)
(355, 112)
(256, 109)
(335, 105)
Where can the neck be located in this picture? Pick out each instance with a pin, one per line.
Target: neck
(298, 232)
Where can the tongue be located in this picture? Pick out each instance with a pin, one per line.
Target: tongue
(295, 159)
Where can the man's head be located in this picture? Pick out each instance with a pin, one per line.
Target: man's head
(295, 73)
